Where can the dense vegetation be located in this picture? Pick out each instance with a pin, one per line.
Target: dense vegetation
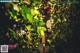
(36, 24)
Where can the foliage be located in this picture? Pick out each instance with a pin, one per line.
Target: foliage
(33, 19)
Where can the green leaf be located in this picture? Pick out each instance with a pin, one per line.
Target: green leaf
(32, 12)
(28, 27)
(59, 20)
(41, 23)
(36, 20)
(41, 32)
(38, 30)
(29, 17)
(13, 33)
(34, 27)
(43, 28)
(48, 40)
(15, 7)
(25, 11)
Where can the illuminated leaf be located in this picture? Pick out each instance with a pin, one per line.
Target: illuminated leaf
(28, 27)
(15, 7)
(48, 40)
(36, 20)
(59, 20)
(36, 11)
(29, 17)
(26, 12)
(41, 23)
(43, 28)
(42, 32)
(38, 30)
(32, 12)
